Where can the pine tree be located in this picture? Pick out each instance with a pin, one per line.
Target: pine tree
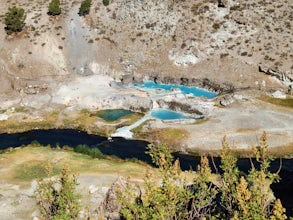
(14, 20)
(106, 2)
(85, 7)
(54, 8)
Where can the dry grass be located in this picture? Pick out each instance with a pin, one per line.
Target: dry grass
(284, 151)
(23, 165)
(83, 120)
(247, 130)
(288, 102)
(278, 152)
(173, 137)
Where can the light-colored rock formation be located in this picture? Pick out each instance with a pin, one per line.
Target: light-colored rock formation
(278, 94)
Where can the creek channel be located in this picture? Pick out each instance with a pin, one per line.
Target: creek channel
(158, 91)
(129, 149)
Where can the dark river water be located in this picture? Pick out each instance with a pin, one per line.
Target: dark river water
(127, 149)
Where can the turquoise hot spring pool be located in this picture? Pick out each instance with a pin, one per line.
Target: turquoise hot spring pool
(185, 89)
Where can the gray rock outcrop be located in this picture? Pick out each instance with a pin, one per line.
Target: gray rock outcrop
(128, 101)
(179, 106)
(279, 95)
(226, 100)
(195, 106)
(284, 77)
(110, 207)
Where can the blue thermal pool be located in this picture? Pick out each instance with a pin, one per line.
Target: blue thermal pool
(113, 114)
(165, 114)
(185, 89)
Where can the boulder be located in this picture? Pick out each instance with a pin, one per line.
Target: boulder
(284, 77)
(179, 106)
(184, 81)
(93, 189)
(128, 101)
(290, 90)
(191, 105)
(110, 207)
(3, 117)
(279, 95)
(31, 90)
(221, 4)
(226, 100)
(115, 84)
(127, 79)
(212, 86)
(85, 70)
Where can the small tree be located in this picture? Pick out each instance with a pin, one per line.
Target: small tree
(168, 200)
(258, 203)
(232, 195)
(202, 205)
(85, 7)
(106, 2)
(14, 20)
(230, 180)
(248, 196)
(54, 8)
(56, 197)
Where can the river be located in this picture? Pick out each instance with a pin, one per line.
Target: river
(127, 149)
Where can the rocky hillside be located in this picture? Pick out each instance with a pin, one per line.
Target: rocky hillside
(168, 40)
(187, 37)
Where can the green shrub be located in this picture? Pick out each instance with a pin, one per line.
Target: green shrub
(93, 152)
(82, 148)
(96, 153)
(229, 195)
(165, 201)
(194, 8)
(216, 26)
(106, 2)
(85, 7)
(14, 20)
(56, 197)
(54, 8)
